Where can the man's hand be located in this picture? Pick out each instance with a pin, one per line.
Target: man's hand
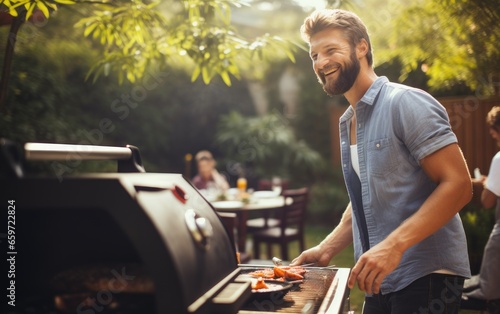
(373, 266)
(447, 168)
(335, 242)
(316, 255)
(480, 181)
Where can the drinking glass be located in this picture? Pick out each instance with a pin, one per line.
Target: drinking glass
(276, 185)
(241, 184)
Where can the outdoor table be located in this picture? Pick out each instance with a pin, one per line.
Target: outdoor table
(260, 206)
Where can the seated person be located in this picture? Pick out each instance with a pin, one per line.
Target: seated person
(208, 178)
(487, 283)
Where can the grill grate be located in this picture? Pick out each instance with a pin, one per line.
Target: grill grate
(312, 290)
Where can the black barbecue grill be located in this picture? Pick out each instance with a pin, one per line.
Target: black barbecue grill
(132, 242)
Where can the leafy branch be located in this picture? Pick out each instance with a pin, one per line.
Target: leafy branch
(136, 34)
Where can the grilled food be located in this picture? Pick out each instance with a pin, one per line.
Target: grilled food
(281, 273)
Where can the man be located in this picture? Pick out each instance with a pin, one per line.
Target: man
(405, 175)
(488, 280)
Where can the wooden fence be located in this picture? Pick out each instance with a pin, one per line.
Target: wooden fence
(467, 119)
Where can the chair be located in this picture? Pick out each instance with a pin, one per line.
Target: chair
(291, 227)
(256, 224)
(266, 184)
(229, 220)
(474, 304)
(482, 306)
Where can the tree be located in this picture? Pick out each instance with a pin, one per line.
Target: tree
(267, 144)
(453, 41)
(138, 34)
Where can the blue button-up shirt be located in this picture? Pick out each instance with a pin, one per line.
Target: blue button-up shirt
(397, 126)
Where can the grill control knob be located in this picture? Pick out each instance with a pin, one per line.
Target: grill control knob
(200, 228)
(204, 226)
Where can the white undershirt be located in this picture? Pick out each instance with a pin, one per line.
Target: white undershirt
(354, 158)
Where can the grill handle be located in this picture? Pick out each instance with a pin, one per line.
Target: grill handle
(44, 151)
(128, 157)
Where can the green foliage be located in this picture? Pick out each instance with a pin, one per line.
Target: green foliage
(41, 116)
(137, 35)
(37, 86)
(129, 36)
(163, 114)
(329, 199)
(478, 224)
(314, 116)
(454, 41)
(268, 144)
(199, 30)
(27, 7)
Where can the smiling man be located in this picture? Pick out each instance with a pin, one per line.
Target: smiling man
(405, 175)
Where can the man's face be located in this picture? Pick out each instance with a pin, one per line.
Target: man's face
(334, 62)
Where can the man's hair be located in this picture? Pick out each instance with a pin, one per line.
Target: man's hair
(493, 118)
(351, 25)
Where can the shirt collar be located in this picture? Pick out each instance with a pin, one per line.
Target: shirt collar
(368, 98)
(372, 92)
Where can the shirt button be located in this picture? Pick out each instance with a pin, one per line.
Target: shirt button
(343, 143)
(345, 165)
(359, 125)
(378, 145)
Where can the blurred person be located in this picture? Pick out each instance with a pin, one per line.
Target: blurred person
(208, 178)
(405, 175)
(486, 285)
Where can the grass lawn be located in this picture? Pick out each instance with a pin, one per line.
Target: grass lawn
(314, 235)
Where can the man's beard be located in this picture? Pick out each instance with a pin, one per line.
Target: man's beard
(346, 78)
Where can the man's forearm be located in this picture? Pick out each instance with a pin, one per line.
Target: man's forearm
(488, 198)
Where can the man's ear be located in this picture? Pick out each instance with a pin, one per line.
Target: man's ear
(362, 48)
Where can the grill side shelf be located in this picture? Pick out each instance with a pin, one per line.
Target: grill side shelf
(337, 295)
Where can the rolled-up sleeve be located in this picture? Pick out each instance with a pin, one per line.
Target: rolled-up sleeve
(424, 124)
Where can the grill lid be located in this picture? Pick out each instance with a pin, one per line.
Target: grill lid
(157, 222)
